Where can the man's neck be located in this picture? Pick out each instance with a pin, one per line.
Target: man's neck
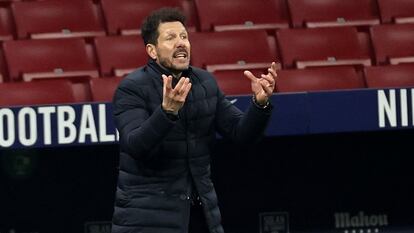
(174, 74)
(177, 76)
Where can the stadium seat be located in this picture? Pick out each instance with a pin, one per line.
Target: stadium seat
(29, 59)
(333, 13)
(303, 48)
(393, 43)
(397, 11)
(6, 24)
(56, 91)
(103, 89)
(119, 55)
(231, 50)
(57, 19)
(366, 45)
(3, 68)
(7, 3)
(218, 15)
(233, 82)
(390, 76)
(125, 17)
(319, 79)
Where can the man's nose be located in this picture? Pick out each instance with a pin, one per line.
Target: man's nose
(181, 42)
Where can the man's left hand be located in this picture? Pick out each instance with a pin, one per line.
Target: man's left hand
(263, 87)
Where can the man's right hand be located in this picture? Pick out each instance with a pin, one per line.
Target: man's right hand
(174, 98)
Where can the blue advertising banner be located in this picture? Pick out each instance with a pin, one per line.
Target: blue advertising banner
(293, 114)
(62, 125)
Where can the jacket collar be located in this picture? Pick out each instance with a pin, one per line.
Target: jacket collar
(157, 70)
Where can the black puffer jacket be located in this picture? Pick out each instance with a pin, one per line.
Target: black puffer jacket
(160, 157)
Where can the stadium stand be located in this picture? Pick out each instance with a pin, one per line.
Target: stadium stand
(124, 17)
(390, 76)
(58, 19)
(303, 48)
(397, 11)
(230, 37)
(30, 59)
(333, 13)
(393, 43)
(56, 91)
(319, 79)
(231, 50)
(103, 89)
(242, 14)
(119, 55)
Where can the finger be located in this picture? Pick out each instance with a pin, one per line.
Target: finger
(264, 82)
(184, 86)
(274, 66)
(267, 87)
(272, 72)
(167, 81)
(177, 87)
(268, 78)
(249, 75)
(164, 84)
(186, 91)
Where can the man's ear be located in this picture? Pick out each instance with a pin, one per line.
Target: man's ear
(151, 51)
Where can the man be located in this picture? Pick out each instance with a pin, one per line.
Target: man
(168, 113)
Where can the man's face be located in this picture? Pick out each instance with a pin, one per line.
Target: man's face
(173, 47)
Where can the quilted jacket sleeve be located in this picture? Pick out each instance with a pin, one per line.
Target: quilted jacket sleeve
(140, 131)
(240, 127)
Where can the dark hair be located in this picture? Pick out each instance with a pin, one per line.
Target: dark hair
(149, 28)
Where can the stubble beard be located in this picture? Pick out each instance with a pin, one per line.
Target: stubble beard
(171, 67)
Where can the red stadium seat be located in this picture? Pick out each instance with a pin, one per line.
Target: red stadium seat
(233, 82)
(394, 43)
(397, 11)
(6, 28)
(3, 68)
(57, 19)
(29, 59)
(333, 13)
(119, 55)
(319, 79)
(390, 76)
(366, 45)
(57, 91)
(231, 50)
(125, 16)
(103, 89)
(321, 47)
(218, 15)
(7, 3)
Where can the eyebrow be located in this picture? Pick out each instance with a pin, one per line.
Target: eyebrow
(174, 34)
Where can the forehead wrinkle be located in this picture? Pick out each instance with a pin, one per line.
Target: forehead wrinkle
(171, 26)
(172, 31)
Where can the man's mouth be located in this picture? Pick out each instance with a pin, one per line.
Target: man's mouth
(180, 54)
